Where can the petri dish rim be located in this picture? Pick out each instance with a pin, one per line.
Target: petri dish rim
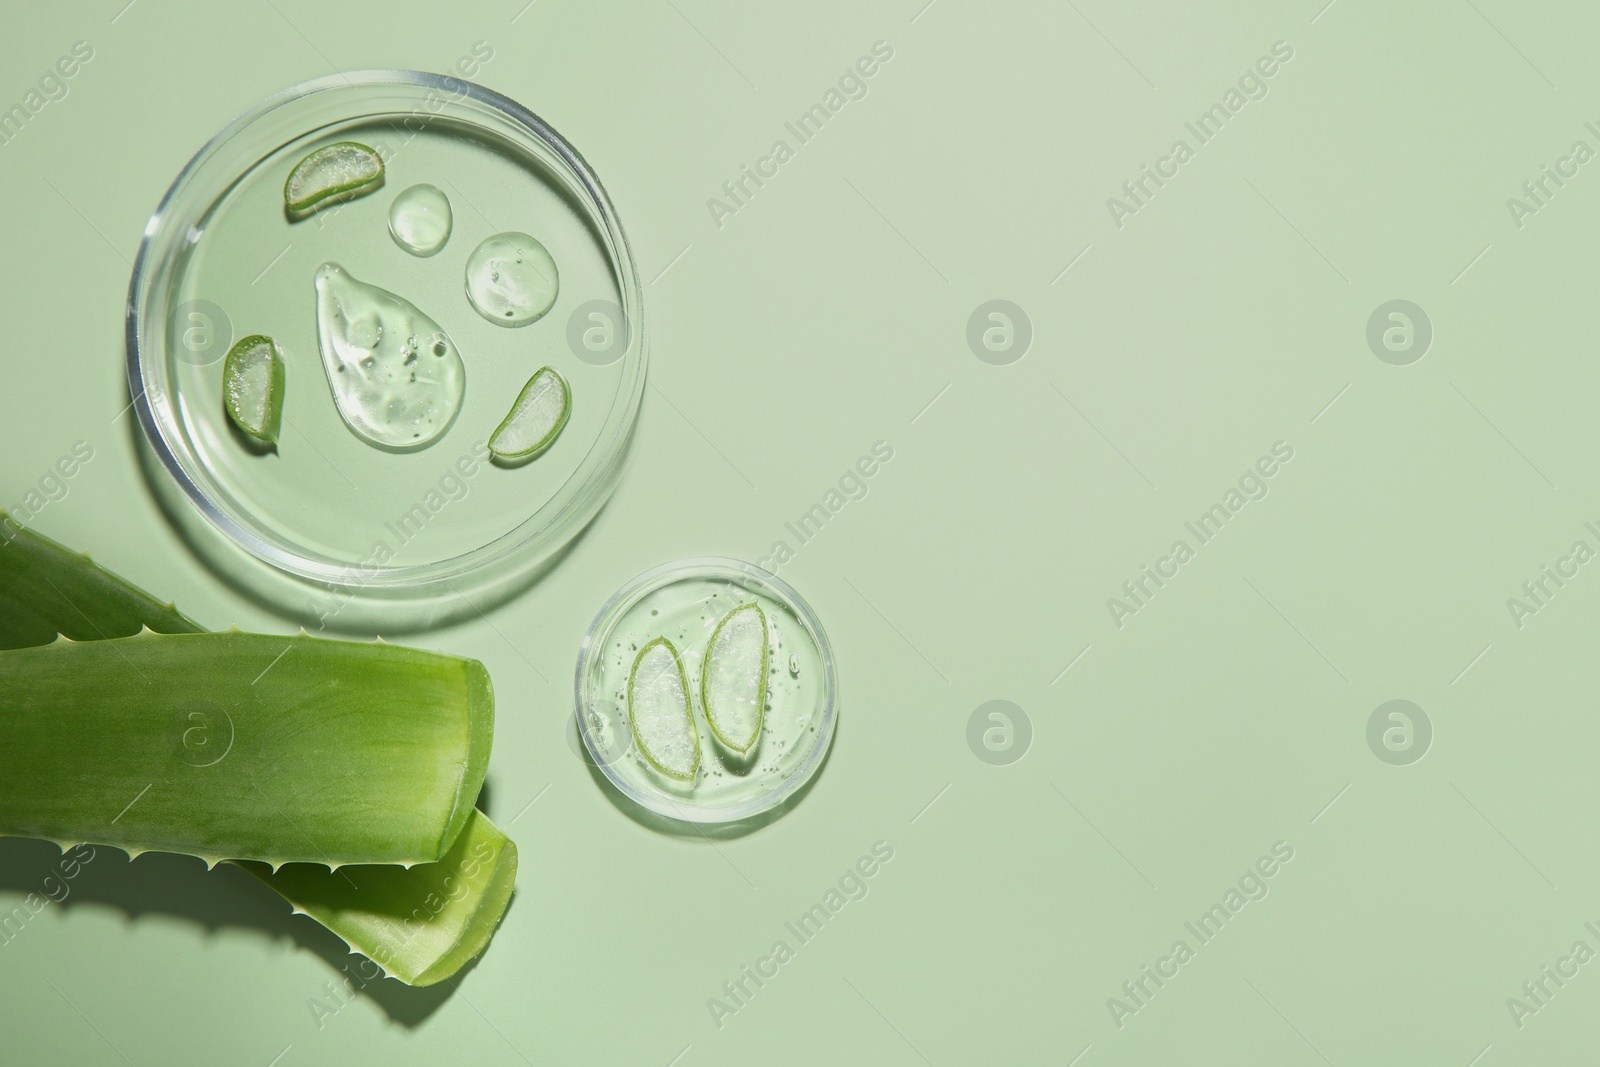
(539, 536)
(707, 567)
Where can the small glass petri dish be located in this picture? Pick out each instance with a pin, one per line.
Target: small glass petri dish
(683, 602)
(221, 260)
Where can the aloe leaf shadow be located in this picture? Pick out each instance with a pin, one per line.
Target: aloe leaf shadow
(167, 884)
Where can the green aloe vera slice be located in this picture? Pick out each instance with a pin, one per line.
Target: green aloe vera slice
(320, 751)
(252, 387)
(659, 713)
(331, 173)
(535, 420)
(733, 678)
(399, 919)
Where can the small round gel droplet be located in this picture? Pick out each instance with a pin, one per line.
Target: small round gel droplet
(420, 220)
(511, 279)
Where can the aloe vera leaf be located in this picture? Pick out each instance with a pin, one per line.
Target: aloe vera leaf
(46, 588)
(420, 925)
(331, 752)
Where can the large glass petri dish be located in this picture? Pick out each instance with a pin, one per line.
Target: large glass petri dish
(221, 259)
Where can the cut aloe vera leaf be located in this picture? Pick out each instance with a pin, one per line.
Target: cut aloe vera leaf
(535, 420)
(243, 746)
(332, 173)
(659, 714)
(252, 387)
(47, 589)
(420, 925)
(733, 678)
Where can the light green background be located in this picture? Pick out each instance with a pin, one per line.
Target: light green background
(825, 316)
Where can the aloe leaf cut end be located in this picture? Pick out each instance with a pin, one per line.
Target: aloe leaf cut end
(249, 746)
(47, 589)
